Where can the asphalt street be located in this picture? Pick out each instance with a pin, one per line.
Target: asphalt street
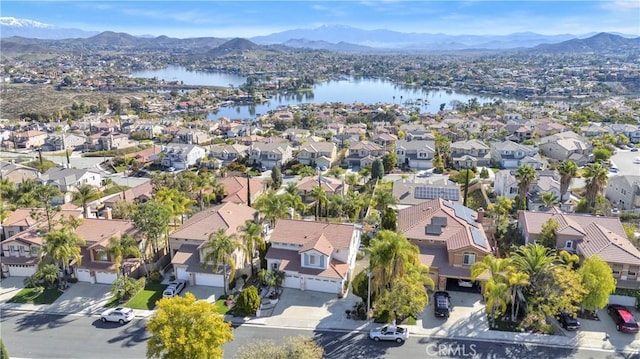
(35, 335)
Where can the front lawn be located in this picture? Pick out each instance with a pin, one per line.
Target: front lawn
(221, 305)
(38, 295)
(146, 299)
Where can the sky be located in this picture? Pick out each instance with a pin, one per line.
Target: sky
(184, 19)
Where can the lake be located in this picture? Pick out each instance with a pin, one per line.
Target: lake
(350, 90)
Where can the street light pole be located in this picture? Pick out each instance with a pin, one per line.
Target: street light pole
(466, 183)
(368, 292)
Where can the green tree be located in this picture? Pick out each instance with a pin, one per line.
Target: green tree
(390, 161)
(389, 219)
(86, 193)
(601, 154)
(251, 241)
(320, 195)
(248, 301)
(384, 199)
(597, 279)
(186, 328)
(496, 296)
(516, 281)
(272, 207)
(299, 347)
(568, 171)
(596, 177)
(407, 297)
(496, 268)
(126, 287)
(276, 178)
(484, 173)
(5, 355)
(548, 199)
(43, 196)
(219, 249)
(50, 273)
(391, 257)
(377, 169)
(152, 220)
(122, 247)
(534, 260)
(525, 175)
(558, 289)
(62, 246)
(547, 236)
(177, 203)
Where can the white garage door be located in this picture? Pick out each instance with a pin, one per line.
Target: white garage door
(21, 270)
(209, 279)
(105, 277)
(181, 273)
(84, 275)
(291, 281)
(322, 285)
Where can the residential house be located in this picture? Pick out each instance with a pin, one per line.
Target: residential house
(549, 128)
(67, 180)
(236, 191)
(414, 132)
(192, 136)
(144, 157)
(475, 150)
(632, 132)
(16, 173)
(450, 237)
(386, 140)
(329, 185)
(316, 256)
(137, 194)
(151, 130)
(362, 154)
(296, 136)
(593, 130)
(23, 241)
(624, 192)
(505, 184)
(567, 146)
(29, 139)
(228, 153)
(98, 265)
(318, 154)
(587, 236)
(269, 155)
(410, 193)
(187, 243)
(508, 154)
(181, 156)
(416, 154)
(64, 141)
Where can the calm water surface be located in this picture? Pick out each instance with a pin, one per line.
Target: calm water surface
(368, 91)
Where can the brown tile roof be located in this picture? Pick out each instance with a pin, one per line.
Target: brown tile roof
(189, 255)
(328, 184)
(20, 217)
(320, 244)
(95, 231)
(457, 234)
(236, 188)
(143, 190)
(290, 261)
(603, 236)
(227, 215)
(437, 257)
(300, 232)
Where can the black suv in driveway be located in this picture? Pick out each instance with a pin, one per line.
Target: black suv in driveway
(625, 322)
(442, 304)
(568, 321)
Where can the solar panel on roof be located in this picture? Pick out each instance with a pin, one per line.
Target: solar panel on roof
(423, 192)
(478, 237)
(465, 214)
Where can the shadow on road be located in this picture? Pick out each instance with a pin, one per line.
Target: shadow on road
(40, 321)
(132, 334)
(359, 345)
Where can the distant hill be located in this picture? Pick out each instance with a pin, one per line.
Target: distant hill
(10, 26)
(324, 45)
(234, 46)
(602, 42)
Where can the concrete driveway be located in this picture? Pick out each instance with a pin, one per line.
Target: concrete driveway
(9, 287)
(604, 331)
(210, 294)
(82, 298)
(466, 318)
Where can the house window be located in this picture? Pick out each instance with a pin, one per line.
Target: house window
(101, 255)
(13, 249)
(313, 260)
(468, 259)
(34, 251)
(569, 245)
(11, 233)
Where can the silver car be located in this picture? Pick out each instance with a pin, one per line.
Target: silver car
(174, 289)
(389, 332)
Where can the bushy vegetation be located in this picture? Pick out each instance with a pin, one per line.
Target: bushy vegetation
(248, 302)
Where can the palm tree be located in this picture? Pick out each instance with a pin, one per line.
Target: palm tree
(219, 249)
(516, 280)
(176, 202)
(596, 179)
(121, 248)
(497, 268)
(291, 188)
(391, 256)
(294, 202)
(496, 296)
(384, 199)
(568, 170)
(534, 260)
(272, 207)
(337, 204)
(525, 175)
(252, 240)
(86, 193)
(320, 196)
(62, 246)
(548, 199)
(50, 273)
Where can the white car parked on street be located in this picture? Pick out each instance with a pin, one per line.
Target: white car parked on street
(389, 332)
(119, 315)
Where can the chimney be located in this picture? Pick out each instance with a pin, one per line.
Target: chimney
(480, 214)
(107, 213)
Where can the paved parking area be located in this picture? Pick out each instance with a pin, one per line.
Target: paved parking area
(82, 298)
(210, 294)
(604, 331)
(467, 316)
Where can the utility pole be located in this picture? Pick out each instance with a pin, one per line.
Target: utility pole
(468, 164)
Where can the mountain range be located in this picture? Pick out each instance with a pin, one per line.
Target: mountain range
(19, 33)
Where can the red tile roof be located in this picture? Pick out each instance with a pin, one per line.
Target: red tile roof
(290, 262)
(227, 215)
(300, 232)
